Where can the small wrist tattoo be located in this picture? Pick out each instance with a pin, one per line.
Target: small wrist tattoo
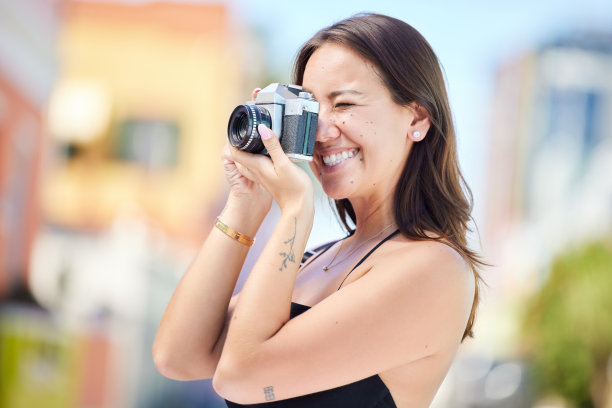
(289, 256)
(269, 393)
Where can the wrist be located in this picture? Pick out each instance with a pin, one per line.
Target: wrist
(299, 204)
(242, 217)
(250, 204)
(302, 210)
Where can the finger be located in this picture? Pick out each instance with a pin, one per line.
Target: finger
(255, 163)
(226, 153)
(254, 94)
(272, 144)
(245, 172)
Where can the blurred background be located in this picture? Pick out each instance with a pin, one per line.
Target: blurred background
(112, 118)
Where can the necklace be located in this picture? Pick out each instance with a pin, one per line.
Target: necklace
(332, 264)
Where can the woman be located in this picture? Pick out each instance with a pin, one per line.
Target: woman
(375, 319)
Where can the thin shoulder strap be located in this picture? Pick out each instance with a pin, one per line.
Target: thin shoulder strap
(394, 233)
(311, 255)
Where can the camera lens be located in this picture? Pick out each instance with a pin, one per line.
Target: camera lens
(242, 127)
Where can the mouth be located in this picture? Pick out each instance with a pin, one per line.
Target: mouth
(337, 158)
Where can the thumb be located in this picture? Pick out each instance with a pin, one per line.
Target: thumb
(272, 144)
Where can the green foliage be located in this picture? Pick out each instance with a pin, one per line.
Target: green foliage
(568, 325)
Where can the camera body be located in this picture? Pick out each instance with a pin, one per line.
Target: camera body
(291, 113)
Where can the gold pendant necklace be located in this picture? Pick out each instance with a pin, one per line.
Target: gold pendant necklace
(329, 265)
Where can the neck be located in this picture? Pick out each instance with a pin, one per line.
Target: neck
(372, 216)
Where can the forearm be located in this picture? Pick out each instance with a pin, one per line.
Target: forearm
(195, 317)
(265, 300)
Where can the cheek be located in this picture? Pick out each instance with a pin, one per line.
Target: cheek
(315, 167)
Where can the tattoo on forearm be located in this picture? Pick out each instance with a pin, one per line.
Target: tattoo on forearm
(269, 393)
(289, 256)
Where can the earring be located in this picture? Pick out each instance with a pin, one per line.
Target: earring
(416, 134)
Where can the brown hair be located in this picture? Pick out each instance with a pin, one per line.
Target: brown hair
(431, 195)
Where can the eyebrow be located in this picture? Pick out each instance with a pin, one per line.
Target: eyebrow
(335, 94)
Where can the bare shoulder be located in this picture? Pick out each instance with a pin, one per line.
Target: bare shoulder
(432, 265)
(429, 255)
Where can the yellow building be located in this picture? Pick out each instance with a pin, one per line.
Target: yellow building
(130, 181)
(138, 117)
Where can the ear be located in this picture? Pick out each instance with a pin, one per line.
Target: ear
(420, 122)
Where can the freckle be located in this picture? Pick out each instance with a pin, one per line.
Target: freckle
(343, 122)
(352, 181)
(336, 322)
(373, 184)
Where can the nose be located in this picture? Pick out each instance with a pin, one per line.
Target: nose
(326, 128)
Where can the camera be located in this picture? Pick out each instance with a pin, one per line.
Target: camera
(291, 113)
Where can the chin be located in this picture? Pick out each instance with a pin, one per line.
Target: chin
(334, 192)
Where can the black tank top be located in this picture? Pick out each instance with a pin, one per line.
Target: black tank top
(370, 392)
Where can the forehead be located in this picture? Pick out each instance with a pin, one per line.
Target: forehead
(335, 65)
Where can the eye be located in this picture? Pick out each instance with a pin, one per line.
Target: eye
(341, 105)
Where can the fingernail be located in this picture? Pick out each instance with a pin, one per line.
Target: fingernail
(264, 132)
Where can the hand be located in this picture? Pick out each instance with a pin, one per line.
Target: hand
(288, 184)
(243, 190)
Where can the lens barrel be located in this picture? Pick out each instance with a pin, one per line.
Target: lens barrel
(242, 127)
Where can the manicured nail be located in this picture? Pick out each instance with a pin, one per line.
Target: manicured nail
(264, 132)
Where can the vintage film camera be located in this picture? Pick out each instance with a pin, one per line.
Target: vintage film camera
(291, 113)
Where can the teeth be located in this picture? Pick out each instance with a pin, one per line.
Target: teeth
(333, 159)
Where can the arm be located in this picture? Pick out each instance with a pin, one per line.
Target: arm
(266, 296)
(192, 331)
(410, 305)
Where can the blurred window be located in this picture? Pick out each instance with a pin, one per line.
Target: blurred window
(152, 143)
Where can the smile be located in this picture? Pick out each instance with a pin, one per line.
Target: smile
(336, 158)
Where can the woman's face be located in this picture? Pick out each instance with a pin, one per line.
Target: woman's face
(362, 137)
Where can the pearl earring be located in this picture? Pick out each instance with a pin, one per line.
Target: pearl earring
(416, 134)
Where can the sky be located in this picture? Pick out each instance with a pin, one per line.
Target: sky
(471, 38)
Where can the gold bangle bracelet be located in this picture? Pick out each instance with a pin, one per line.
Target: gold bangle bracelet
(232, 233)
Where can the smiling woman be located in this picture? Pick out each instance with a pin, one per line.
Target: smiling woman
(372, 320)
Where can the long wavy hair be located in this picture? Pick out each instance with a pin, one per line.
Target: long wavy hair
(432, 200)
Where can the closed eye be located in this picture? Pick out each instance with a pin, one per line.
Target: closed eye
(343, 105)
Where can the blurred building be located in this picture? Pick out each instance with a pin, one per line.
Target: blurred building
(28, 66)
(138, 114)
(112, 117)
(137, 119)
(549, 189)
(550, 156)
